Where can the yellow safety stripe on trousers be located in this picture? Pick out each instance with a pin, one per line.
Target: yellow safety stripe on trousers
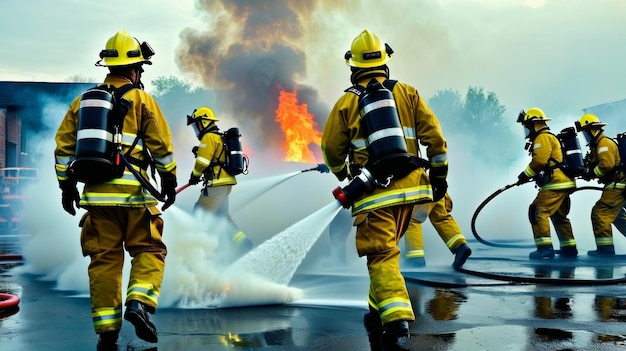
(392, 305)
(393, 197)
(107, 316)
(414, 253)
(451, 243)
(239, 237)
(567, 242)
(543, 241)
(559, 186)
(604, 241)
(144, 291)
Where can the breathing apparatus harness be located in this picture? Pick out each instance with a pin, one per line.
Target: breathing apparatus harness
(388, 158)
(99, 157)
(572, 163)
(235, 162)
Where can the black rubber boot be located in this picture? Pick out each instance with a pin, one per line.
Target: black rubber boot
(396, 336)
(461, 254)
(543, 251)
(568, 252)
(603, 251)
(108, 341)
(374, 328)
(136, 314)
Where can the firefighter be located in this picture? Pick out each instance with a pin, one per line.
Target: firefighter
(217, 183)
(120, 214)
(383, 214)
(604, 165)
(445, 225)
(553, 199)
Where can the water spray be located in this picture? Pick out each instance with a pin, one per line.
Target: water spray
(253, 190)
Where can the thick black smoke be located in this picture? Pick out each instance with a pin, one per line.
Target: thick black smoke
(249, 53)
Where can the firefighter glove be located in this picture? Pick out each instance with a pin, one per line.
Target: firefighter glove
(168, 188)
(440, 188)
(69, 196)
(438, 181)
(194, 179)
(343, 173)
(522, 178)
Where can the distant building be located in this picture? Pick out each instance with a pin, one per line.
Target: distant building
(25, 109)
(612, 113)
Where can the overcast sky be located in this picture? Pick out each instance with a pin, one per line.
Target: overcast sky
(560, 55)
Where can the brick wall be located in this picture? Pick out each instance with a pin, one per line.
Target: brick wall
(13, 136)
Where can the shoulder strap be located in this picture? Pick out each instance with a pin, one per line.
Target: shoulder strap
(389, 84)
(358, 89)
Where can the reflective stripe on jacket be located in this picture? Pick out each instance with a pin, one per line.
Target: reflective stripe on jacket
(211, 154)
(546, 148)
(605, 155)
(343, 132)
(144, 118)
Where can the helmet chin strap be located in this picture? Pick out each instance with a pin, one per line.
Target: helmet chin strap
(137, 73)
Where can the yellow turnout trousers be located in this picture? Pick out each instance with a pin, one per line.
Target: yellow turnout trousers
(605, 212)
(444, 223)
(106, 232)
(378, 233)
(551, 205)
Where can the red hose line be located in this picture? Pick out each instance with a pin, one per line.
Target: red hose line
(8, 301)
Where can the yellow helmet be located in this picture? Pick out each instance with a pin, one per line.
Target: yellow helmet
(587, 121)
(201, 118)
(368, 51)
(124, 50)
(533, 114)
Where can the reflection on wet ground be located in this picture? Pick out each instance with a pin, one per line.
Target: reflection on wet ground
(576, 310)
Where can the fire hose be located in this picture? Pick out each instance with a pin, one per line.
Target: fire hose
(491, 197)
(322, 168)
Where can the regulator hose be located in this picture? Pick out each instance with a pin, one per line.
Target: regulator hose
(498, 192)
(144, 182)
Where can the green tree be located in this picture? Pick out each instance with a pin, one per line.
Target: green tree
(448, 106)
(478, 120)
(171, 85)
(77, 78)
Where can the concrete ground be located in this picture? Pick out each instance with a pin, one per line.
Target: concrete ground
(494, 305)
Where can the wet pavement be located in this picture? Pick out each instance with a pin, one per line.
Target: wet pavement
(494, 305)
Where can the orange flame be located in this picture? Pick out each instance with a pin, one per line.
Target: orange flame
(299, 128)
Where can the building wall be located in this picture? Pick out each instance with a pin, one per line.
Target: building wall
(612, 113)
(3, 118)
(13, 125)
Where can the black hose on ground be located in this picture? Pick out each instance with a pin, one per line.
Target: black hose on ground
(491, 197)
